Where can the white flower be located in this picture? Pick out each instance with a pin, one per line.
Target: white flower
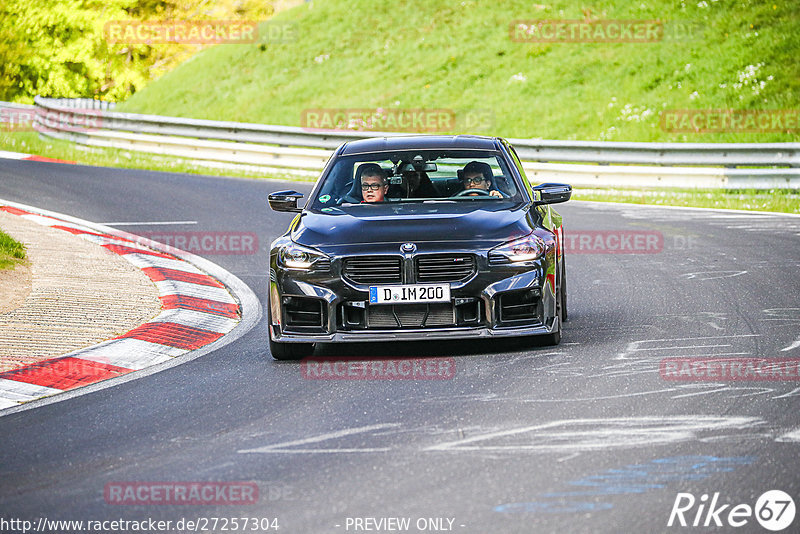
(631, 113)
(519, 77)
(321, 58)
(687, 67)
(693, 95)
(605, 136)
(702, 4)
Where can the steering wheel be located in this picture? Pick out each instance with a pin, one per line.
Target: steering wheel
(465, 192)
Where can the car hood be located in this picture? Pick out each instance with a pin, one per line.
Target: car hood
(418, 223)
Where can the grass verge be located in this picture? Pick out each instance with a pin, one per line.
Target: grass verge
(778, 200)
(12, 251)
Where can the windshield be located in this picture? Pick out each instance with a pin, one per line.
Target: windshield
(415, 177)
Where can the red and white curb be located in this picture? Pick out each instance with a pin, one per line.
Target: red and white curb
(203, 308)
(31, 157)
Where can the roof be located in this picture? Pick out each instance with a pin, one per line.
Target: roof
(420, 142)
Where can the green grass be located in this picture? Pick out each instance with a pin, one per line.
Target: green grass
(12, 252)
(441, 54)
(777, 200)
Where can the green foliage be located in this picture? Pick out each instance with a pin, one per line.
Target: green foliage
(58, 48)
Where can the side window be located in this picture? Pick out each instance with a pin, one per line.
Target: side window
(503, 180)
(526, 183)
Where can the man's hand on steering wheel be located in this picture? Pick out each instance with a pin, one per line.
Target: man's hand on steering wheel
(479, 192)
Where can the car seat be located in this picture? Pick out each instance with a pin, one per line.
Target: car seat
(354, 196)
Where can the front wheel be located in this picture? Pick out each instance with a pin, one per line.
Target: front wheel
(287, 351)
(555, 337)
(564, 315)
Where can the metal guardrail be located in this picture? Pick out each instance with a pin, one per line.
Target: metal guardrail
(13, 105)
(80, 103)
(608, 152)
(94, 123)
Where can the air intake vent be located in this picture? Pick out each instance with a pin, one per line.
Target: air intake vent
(303, 312)
(410, 315)
(323, 265)
(445, 267)
(519, 307)
(498, 259)
(373, 270)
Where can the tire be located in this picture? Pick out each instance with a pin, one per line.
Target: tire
(564, 315)
(287, 351)
(555, 337)
(290, 351)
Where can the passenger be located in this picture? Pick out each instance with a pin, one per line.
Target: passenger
(478, 175)
(374, 183)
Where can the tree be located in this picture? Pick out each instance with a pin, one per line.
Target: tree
(58, 48)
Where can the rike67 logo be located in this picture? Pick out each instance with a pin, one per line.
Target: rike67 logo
(774, 510)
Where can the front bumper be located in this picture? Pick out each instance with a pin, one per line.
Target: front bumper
(485, 292)
(366, 336)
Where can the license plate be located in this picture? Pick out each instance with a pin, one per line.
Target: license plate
(409, 293)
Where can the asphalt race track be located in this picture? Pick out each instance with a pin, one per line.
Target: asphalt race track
(589, 436)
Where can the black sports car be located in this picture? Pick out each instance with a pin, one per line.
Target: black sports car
(418, 237)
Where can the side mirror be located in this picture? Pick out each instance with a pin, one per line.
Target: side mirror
(285, 200)
(552, 193)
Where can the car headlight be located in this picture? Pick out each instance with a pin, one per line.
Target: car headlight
(527, 248)
(294, 256)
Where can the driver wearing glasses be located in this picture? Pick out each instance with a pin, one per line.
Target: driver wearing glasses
(374, 183)
(478, 175)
